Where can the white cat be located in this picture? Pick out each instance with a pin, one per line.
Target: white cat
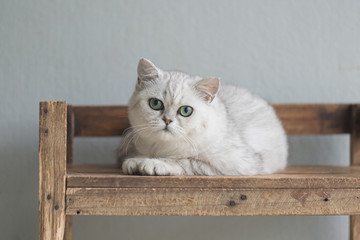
(183, 125)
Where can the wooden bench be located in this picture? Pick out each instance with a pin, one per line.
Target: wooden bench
(67, 189)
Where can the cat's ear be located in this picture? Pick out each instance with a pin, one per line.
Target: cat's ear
(208, 87)
(147, 71)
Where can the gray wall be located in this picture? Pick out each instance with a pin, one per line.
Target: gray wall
(86, 52)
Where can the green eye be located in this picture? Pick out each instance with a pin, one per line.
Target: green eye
(156, 104)
(185, 111)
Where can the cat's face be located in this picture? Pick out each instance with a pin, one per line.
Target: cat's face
(170, 105)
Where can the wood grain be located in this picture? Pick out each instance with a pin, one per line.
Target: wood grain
(52, 169)
(355, 227)
(68, 235)
(104, 190)
(70, 135)
(100, 120)
(298, 119)
(355, 161)
(211, 202)
(305, 119)
(69, 161)
(108, 176)
(355, 135)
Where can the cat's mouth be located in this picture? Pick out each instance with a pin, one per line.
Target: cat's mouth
(166, 131)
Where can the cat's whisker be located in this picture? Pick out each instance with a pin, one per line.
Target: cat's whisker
(182, 133)
(137, 135)
(192, 144)
(131, 135)
(131, 128)
(135, 126)
(156, 124)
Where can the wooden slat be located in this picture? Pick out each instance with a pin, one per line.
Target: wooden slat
(355, 135)
(108, 176)
(69, 161)
(304, 119)
(70, 135)
(100, 120)
(52, 168)
(355, 161)
(298, 119)
(211, 202)
(355, 227)
(68, 235)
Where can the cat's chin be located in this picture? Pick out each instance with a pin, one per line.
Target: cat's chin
(166, 134)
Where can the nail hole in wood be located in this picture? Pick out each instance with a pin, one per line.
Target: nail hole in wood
(56, 207)
(326, 199)
(45, 110)
(243, 197)
(48, 197)
(78, 212)
(232, 203)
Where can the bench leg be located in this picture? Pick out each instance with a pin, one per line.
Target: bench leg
(68, 228)
(355, 227)
(69, 161)
(52, 170)
(355, 161)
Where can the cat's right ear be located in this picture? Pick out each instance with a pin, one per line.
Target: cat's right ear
(208, 87)
(147, 71)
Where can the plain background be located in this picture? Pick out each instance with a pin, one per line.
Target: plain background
(86, 52)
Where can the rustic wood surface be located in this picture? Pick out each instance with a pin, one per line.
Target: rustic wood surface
(68, 235)
(355, 135)
(298, 119)
(104, 190)
(211, 201)
(52, 169)
(88, 176)
(355, 227)
(305, 119)
(355, 161)
(70, 135)
(100, 120)
(69, 160)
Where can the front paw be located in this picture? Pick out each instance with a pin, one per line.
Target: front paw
(150, 166)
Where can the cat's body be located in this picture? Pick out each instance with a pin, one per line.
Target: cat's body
(183, 125)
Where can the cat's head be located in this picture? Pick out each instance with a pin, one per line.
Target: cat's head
(170, 105)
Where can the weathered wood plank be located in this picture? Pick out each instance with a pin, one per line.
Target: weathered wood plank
(355, 161)
(52, 169)
(211, 202)
(355, 227)
(298, 119)
(69, 161)
(100, 120)
(107, 176)
(355, 135)
(304, 119)
(68, 235)
(70, 135)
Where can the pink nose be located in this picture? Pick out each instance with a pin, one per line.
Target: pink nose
(167, 121)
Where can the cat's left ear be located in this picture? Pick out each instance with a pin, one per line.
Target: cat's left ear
(208, 87)
(147, 71)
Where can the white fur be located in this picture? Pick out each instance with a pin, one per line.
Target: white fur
(233, 133)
